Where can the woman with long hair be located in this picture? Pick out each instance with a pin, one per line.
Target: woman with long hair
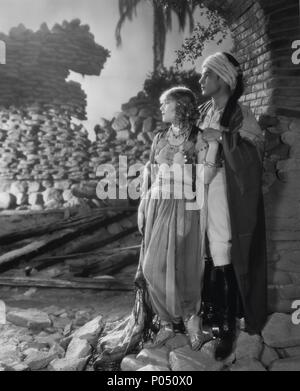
(172, 221)
(172, 217)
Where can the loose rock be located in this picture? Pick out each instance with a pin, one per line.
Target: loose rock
(268, 355)
(155, 356)
(286, 364)
(185, 359)
(68, 364)
(91, 330)
(78, 348)
(154, 368)
(31, 318)
(280, 332)
(130, 363)
(247, 364)
(248, 346)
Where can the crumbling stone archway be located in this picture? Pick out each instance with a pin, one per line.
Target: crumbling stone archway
(263, 33)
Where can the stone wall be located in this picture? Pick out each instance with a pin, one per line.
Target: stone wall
(43, 152)
(44, 155)
(283, 221)
(129, 133)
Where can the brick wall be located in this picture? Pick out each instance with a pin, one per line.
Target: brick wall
(263, 33)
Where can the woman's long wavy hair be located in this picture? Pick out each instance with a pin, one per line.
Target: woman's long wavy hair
(236, 94)
(186, 104)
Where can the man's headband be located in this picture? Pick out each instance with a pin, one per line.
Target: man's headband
(220, 64)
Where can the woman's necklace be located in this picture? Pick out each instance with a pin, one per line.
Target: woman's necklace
(176, 147)
(175, 140)
(179, 134)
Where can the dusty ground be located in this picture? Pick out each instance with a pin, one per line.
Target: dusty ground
(20, 347)
(111, 305)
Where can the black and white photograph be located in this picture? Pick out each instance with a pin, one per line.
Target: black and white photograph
(149, 188)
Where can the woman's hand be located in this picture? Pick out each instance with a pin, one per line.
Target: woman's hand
(211, 134)
(141, 221)
(209, 174)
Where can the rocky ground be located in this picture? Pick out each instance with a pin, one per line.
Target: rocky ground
(50, 329)
(278, 349)
(44, 333)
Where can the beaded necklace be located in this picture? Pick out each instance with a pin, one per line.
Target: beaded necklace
(177, 148)
(186, 133)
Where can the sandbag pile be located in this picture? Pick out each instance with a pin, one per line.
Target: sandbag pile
(129, 134)
(42, 154)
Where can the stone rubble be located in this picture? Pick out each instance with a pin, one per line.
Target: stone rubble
(27, 347)
(30, 318)
(280, 332)
(47, 160)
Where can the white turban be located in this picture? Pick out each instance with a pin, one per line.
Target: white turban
(220, 64)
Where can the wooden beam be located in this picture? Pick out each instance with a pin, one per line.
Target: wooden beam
(91, 253)
(109, 265)
(12, 257)
(98, 218)
(83, 244)
(101, 283)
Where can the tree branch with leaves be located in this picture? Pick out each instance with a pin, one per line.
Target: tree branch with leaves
(162, 22)
(192, 48)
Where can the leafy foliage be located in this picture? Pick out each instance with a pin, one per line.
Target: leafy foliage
(157, 82)
(127, 9)
(183, 9)
(162, 15)
(216, 30)
(192, 48)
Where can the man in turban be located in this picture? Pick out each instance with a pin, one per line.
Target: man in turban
(235, 228)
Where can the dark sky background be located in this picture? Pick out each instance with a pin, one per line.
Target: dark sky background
(125, 71)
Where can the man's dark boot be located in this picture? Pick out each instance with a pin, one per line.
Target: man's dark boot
(226, 302)
(207, 311)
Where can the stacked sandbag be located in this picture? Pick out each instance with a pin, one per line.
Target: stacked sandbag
(126, 139)
(129, 134)
(42, 144)
(44, 154)
(41, 149)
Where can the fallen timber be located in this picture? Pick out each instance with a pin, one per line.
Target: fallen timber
(86, 258)
(65, 240)
(77, 241)
(99, 283)
(82, 223)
